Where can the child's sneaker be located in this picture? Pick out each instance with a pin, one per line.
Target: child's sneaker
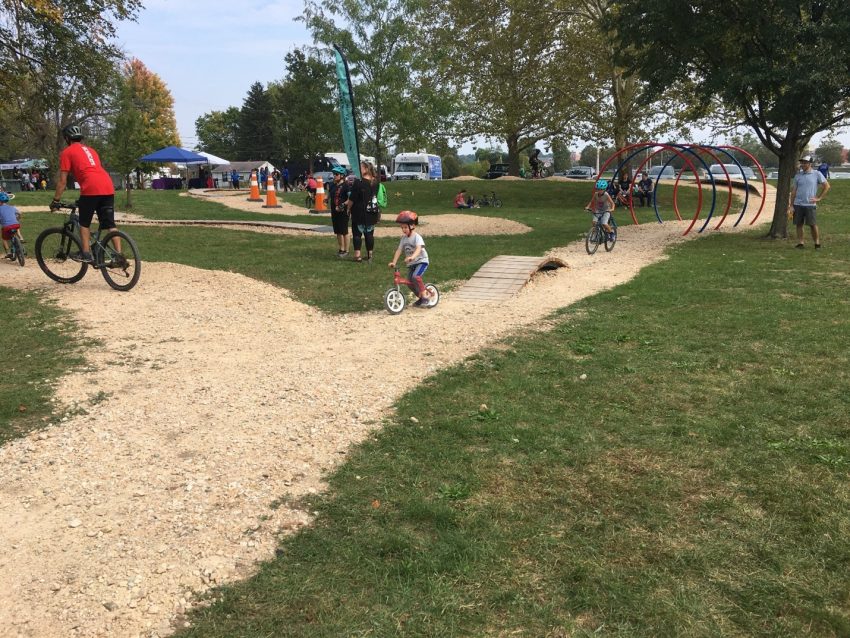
(10, 256)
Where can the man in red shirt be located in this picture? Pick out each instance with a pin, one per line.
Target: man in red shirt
(97, 193)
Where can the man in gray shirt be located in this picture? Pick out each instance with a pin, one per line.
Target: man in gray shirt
(804, 198)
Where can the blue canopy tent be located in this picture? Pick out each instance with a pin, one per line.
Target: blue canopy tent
(176, 155)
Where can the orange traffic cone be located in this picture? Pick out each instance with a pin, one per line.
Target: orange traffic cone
(271, 196)
(320, 197)
(255, 189)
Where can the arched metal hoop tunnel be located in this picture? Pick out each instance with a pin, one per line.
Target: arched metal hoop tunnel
(692, 157)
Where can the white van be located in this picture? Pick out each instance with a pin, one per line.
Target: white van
(420, 165)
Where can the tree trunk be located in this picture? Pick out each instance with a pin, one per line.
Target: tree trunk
(128, 202)
(788, 156)
(513, 154)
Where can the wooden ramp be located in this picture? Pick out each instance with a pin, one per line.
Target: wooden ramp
(504, 276)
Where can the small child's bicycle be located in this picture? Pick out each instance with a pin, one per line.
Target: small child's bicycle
(492, 200)
(395, 300)
(598, 235)
(17, 252)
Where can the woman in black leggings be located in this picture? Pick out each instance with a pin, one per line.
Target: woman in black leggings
(363, 215)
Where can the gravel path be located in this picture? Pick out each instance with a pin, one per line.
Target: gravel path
(210, 397)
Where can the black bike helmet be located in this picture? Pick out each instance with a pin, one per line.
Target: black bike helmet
(73, 132)
(407, 217)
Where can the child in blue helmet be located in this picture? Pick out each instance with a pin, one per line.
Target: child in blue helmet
(10, 220)
(601, 205)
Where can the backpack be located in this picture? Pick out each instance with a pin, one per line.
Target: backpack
(382, 196)
(373, 211)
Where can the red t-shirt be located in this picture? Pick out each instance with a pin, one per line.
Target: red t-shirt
(84, 163)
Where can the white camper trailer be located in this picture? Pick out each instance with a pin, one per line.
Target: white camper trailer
(420, 165)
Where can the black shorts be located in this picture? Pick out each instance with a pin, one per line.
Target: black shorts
(340, 222)
(103, 205)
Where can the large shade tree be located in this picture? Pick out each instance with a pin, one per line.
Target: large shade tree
(504, 66)
(780, 67)
(58, 65)
(217, 132)
(143, 120)
(303, 108)
(256, 138)
(397, 96)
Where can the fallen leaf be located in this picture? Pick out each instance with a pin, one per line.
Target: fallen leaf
(22, 408)
(376, 504)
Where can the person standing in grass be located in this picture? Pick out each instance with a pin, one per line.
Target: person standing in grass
(363, 207)
(338, 193)
(804, 199)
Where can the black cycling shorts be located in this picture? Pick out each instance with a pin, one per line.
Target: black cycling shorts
(103, 205)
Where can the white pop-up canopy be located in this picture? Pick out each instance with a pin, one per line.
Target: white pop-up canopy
(213, 160)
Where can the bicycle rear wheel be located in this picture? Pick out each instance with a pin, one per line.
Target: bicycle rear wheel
(593, 239)
(121, 269)
(18, 249)
(53, 249)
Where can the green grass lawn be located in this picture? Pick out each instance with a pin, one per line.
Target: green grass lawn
(695, 483)
(308, 266)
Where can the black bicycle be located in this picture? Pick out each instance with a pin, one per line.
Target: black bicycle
(59, 254)
(493, 201)
(18, 252)
(598, 235)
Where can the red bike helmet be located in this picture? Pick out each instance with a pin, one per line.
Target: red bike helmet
(407, 217)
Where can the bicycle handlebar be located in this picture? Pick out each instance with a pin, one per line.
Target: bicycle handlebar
(66, 205)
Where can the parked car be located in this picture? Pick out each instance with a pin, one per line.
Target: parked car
(839, 175)
(496, 170)
(773, 175)
(581, 172)
(716, 170)
(655, 173)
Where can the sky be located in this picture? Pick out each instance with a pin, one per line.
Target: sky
(210, 53)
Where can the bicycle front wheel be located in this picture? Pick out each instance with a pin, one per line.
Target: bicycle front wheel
(433, 295)
(497, 203)
(121, 269)
(394, 301)
(18, 249)
(592, 241)
(308, 202)
(53, 249)
(611, 239)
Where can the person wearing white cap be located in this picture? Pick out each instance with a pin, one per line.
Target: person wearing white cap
(804, 199)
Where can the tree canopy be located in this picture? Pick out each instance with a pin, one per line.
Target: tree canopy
(397, 98)
(303, 102)
(217, 131)
(58, 64)
(143, 121)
